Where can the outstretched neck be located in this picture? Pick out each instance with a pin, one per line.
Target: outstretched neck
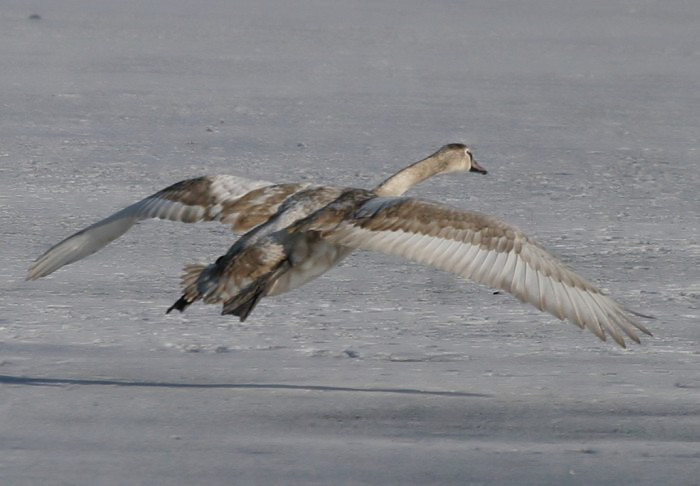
(409, 176)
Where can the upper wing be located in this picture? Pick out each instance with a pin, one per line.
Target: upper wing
(236, 201)
(483, 249)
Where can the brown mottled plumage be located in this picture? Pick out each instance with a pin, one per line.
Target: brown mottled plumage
(471, 244)
(242, 204)
(296, 232)
(209, 198)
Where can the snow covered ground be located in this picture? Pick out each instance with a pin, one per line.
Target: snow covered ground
(382, 372)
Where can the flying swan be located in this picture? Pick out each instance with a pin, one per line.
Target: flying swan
(295, 232)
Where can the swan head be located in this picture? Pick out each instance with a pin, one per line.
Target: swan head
(453, 157)
(457, 157)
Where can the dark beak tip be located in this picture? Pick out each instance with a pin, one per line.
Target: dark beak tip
(477, 168)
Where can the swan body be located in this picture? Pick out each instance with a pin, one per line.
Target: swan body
(309, 257)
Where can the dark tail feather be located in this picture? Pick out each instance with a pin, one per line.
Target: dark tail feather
(189, 282)
(181, 304)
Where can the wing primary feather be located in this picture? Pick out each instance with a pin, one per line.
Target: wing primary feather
(545, 289)
(581, 311)
(532, 285)
(506, 277)
(612, 326)
(600, 313)
(591, 321)
(466, 260)
(577, 317)
(494, 274)
(485, 266)
(452, 255)
(430, 250)
(475, 262)
(440, 251)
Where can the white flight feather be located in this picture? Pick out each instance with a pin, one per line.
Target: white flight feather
(532, 275)
(101, 233)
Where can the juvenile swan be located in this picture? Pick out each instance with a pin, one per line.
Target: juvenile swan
(467, 243)
(246, 259)
(257, 207)
(296, 232)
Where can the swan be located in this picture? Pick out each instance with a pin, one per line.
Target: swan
(468, 243)
(246, 205)
(295, 232)
(311, 257)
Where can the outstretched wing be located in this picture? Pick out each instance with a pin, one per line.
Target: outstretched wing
(235, 201)
(482, 249)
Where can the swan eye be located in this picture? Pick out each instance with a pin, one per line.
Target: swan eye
(468, 154)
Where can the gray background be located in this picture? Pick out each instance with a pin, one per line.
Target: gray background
(585, 114)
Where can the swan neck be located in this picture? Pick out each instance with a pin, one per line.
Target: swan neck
(409, 176)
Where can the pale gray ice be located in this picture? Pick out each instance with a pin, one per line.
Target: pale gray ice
(587, 116)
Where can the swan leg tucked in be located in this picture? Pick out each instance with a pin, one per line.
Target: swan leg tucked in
(243, 303)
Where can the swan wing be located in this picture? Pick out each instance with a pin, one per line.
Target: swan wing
(483, 249)
(234, 201)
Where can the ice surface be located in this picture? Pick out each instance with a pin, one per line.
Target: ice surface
(381, 372)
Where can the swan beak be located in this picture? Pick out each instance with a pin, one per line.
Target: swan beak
(477, 168)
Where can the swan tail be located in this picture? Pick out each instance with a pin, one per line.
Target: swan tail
(191, 287)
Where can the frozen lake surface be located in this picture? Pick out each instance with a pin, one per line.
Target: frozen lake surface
(586, 115)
